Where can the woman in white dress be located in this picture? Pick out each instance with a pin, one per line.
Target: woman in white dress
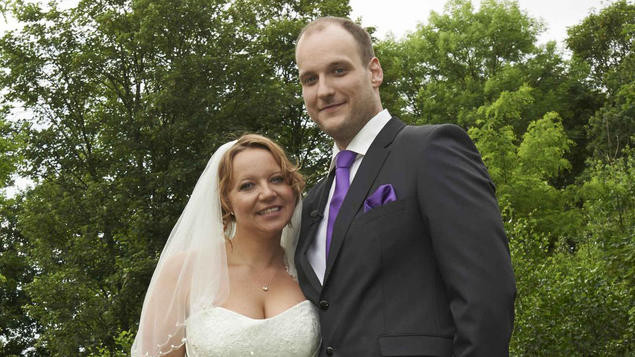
(225, 282)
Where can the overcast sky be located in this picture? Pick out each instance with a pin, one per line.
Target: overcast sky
(402, 16)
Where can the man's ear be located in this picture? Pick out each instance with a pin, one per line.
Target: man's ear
(376, 73)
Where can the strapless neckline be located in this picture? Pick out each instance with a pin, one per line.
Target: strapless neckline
(221, 332)
(266, 318)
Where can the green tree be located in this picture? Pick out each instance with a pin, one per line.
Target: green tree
(129, 100)
(18, 329)
(581, 302)
(464, 59)
(570, 305)
(521, 169)
(10, 144)
(557, 86)
(604, 42)
(612, 128)
(608, 194)
(441, 69)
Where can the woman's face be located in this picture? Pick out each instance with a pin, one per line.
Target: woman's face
(260, 198)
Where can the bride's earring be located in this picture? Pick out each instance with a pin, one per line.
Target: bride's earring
(230, 232)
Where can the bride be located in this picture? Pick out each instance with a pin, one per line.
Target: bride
(225, 282)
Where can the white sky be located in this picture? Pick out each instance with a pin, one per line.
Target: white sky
(402, 16)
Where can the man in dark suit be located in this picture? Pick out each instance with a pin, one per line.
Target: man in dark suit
(411, 259)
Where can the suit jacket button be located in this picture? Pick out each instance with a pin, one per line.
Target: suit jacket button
(324, 305)
(330, 350)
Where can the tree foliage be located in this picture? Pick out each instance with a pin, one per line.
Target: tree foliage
(581, 303)
(125, 100)
(604, 42)
(440, 70)
(18, 329)
(555, 135)
(128, 100)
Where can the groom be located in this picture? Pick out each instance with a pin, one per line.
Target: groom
(401, 248)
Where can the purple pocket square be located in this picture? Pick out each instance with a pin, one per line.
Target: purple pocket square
(384, 194)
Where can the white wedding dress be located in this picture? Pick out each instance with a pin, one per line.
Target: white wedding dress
(222, 332)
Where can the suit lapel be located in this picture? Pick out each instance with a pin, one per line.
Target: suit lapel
(311, 217)
(360, 187)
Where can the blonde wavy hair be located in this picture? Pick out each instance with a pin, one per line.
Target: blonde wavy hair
(290, 172)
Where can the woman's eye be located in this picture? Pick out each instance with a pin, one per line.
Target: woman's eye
(277, 179)
(245, 186)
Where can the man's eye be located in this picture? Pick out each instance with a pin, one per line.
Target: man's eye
(309, 80)
(339, 70)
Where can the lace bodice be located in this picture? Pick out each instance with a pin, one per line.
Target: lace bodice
(222, 332)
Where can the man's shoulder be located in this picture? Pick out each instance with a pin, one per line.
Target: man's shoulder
(432, 128)
(417, 139)
(416, 134)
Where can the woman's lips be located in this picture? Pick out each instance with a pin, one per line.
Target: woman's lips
(270, 210)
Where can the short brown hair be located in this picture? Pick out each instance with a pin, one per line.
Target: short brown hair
(254, 141)
(361, 36)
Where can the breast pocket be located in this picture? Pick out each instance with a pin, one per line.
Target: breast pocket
(385, 222)
(389, 209)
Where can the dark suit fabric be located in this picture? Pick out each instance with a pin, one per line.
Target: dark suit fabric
(426, 275)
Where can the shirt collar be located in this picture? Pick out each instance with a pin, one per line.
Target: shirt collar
(365, 137)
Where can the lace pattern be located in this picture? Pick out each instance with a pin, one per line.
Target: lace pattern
(221, 332)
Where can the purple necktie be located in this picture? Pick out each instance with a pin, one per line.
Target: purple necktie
(343, 162)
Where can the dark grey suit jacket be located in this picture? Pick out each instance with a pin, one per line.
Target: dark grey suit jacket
(427, 275)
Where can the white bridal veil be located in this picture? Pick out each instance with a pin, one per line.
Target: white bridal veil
(191, 274)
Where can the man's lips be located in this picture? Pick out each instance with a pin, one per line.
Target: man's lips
(331, 106)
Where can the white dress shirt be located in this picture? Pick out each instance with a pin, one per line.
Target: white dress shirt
(360, 144)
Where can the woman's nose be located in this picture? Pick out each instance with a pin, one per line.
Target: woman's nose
(267, 192)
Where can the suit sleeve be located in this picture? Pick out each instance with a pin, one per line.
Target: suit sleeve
(459, 206)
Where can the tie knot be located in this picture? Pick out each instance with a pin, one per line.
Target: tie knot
(344, 159)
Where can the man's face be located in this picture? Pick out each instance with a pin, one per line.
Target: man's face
(340, 92)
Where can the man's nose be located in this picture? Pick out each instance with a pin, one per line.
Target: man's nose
(325, 89)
